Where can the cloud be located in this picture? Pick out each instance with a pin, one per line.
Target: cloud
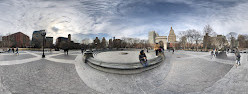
(55, 29)
(121, 18)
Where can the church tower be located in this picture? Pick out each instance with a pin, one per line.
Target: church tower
(69, 37)
(172, 36)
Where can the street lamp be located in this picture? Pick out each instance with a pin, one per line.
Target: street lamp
(43, 34)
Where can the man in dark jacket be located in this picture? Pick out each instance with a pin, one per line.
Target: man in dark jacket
(143, 58)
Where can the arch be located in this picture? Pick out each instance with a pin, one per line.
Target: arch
(162, 39)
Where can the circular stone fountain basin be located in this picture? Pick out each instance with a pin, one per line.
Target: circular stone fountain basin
(121, 56)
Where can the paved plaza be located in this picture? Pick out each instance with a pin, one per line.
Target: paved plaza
(182, 72)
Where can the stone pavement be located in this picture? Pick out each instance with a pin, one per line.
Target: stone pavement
(40, 76)
(182, 72)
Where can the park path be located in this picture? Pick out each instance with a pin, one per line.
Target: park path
(34, 75)
(182, 72)
(234, 82)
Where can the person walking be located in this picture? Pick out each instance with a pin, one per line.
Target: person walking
(9, 50)
(156, 48)
(17, 52)
(237, 54)
(143, 58)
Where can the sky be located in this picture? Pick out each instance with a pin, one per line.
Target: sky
(121, 18)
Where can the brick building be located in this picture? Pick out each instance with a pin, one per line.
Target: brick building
(16, 40)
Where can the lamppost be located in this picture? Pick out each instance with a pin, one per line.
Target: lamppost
(43, 34)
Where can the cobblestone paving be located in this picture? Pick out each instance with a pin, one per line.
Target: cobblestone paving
(67, 57)
(42, 77)
(182, 72)
(11, 56)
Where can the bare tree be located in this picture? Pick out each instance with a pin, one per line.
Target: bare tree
(103, 43)
(208, 29)
(193, 36)
(231, 35)
(183, 41)
(242, 41)
(219, 42)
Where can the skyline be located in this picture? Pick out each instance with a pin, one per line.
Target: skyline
(109, 18)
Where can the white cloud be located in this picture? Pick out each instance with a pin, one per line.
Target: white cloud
(114, 17)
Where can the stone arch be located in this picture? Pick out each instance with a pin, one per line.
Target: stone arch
(162, 39)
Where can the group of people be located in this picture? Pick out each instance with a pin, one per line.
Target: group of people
(158, 49)
(13, 50)
(214, 52)
(142, 56)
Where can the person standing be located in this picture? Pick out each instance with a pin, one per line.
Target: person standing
(13, 50)
(82, 50)
(156, 48)
(173, 50)
(160, 49)
(143, 58)
(212, 54)
(215, 52)
(66, 50)
(17, 53)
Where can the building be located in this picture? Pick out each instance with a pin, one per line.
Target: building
(172, 39)
(97, 43)
(16, 40)
(172, 36)
(218, 42)
(117, 43)
(153, 38)
(110, 44)
(1, 43)
(60, 40)
(37, 39)
(64, 43)
(49, 42)
(69, 37)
